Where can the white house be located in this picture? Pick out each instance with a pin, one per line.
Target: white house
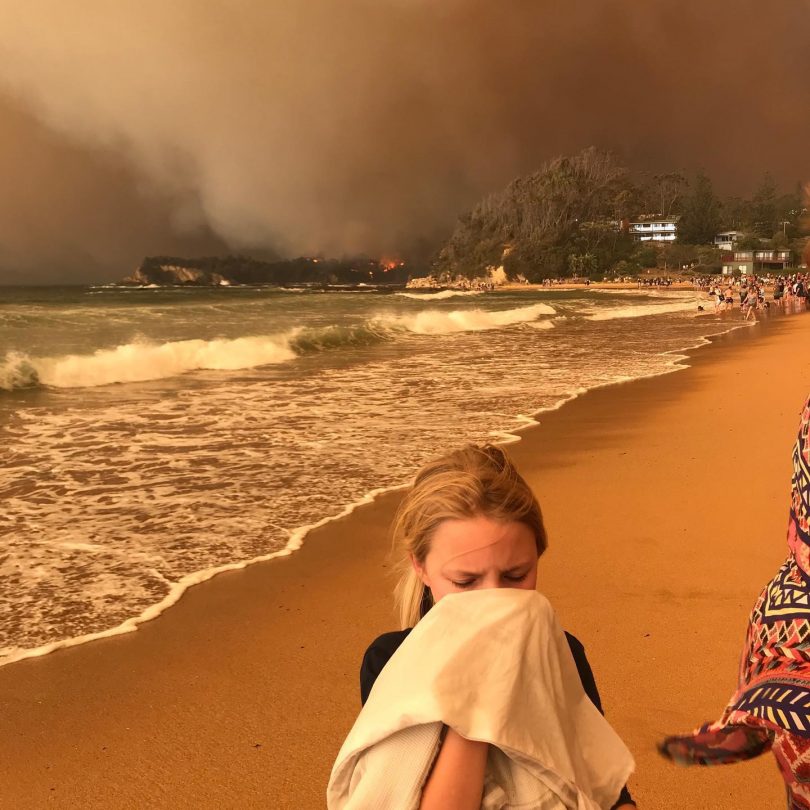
(727, 240)
(660, 229)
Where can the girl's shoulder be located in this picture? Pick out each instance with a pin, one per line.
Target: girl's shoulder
(376, 657)
(387, 643)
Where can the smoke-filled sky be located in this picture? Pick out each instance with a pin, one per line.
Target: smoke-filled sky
(147, 127)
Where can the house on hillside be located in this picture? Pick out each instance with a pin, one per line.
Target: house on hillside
(750, 262)
(654, 229)
(727, 240)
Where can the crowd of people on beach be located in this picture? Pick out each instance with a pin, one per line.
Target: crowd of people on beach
(551, 282)
(788, 293)
(457, 283)
(475, 284)
(658, 281)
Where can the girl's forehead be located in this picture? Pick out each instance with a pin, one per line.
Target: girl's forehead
(480, 538)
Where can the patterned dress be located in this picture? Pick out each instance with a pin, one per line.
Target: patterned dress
(771, 708)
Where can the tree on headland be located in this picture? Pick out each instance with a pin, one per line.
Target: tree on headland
(767, 213)
(737, 213)
(581, 264)
(669, 189)
(701, 213)
(764, 209)
(674, 256)
(790, 211)
(749, 241)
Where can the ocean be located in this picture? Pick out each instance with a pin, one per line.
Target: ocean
(151, 437)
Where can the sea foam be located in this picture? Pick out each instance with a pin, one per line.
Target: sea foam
(437, 322)
(642, 310)
(439, 296)
(141, 361)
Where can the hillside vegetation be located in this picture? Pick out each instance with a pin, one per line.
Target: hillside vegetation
(567, 219)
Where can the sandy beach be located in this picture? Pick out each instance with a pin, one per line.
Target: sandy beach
(666, 503)
(597, 285)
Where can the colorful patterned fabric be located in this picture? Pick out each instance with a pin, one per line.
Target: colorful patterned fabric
(771, 708)
(793, 758)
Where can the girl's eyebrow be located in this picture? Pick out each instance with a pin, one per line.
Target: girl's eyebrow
(513, 570)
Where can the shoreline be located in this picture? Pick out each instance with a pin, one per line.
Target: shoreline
(242, 693)
(676, 286)
(679, 360)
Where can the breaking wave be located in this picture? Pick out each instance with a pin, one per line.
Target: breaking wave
(639, 311)
(438, 296)
(436, 322)
(141, 361)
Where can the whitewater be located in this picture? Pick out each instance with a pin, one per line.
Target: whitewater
(150, 438)
(143, 360)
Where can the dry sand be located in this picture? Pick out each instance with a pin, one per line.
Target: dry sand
(666, 503)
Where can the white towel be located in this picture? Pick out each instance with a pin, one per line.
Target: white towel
(495, 666)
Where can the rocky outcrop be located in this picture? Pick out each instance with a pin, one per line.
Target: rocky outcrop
(174, 274)
(223, 271)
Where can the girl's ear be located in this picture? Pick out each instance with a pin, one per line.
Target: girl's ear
(418, 567)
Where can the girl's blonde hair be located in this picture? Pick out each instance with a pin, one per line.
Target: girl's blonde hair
(471, 482)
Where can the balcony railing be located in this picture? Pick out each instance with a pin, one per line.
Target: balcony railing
(762, 256)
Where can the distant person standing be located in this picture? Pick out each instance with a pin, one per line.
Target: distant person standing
(750, 303)
(788, 292)
(799, 293)
(778, 292)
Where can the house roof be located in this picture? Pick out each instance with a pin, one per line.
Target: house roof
(647, 218)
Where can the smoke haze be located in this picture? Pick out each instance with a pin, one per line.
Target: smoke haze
(341, 126)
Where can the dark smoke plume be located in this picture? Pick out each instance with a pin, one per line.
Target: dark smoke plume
(339, 126)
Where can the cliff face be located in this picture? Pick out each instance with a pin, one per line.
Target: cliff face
(174, 274)
(227, 270)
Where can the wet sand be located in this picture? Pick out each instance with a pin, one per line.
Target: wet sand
(666, 504)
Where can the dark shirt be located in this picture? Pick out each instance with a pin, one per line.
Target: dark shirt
(383, 647)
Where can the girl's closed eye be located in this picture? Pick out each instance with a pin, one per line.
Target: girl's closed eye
(466, 584)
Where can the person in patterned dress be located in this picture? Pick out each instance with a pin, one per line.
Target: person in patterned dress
(771, 708)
